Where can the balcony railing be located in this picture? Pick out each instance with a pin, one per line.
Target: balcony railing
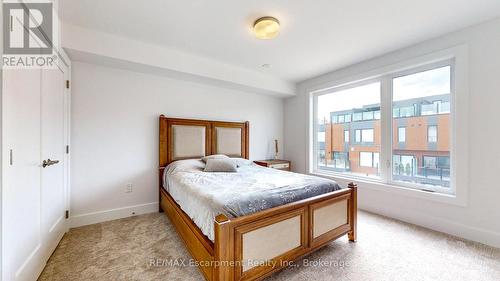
(422, 175)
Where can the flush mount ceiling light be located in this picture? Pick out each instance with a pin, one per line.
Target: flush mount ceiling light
(266, 27)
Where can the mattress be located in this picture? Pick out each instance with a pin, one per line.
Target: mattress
(203, 195)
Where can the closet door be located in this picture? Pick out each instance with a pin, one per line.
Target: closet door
(21, 204)
(34, 193)
(52, 140)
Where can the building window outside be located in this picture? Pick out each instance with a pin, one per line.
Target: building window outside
(357, 116)
(369, 159)
(407, 111)
(437, 167)
(432, 134)
(429, 109)
(404, 165)
(341, 160)
(401, 134)
(395, 112)
(351, 102)
(346, 136)
(367, 135)
(368, 115)
(358, 135)
(341, 118)
(444, 107)
(364, 135)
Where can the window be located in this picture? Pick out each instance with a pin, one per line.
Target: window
(416, 102)
(407, 111)
(368, 115)
(367, 135)
(402, 134)
(395, 112)
(444, 108)
(436, 170)
(404, 165)
(427, 89)
(321, 136)
(364, 135)
(358, 135)
(340, 160)
(429, 109)
(357, 116)
(432, 134)
(355, 104)
(369, 159)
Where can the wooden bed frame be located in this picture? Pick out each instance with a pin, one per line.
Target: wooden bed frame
(269, 239)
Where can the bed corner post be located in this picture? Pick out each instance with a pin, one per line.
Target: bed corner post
(353, 212)
(162, 154)
(223, 250)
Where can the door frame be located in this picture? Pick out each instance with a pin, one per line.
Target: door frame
(64, 63)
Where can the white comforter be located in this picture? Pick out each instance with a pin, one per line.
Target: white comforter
(202, 195)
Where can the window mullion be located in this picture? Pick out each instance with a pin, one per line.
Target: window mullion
(386, 129)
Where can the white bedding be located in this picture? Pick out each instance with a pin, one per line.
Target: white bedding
(202, 195)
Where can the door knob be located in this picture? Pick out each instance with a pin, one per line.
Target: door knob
(49, 162)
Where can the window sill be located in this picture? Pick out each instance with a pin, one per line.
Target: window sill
(395, 189)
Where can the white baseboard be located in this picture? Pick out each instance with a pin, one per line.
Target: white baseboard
(113, 214)
(476, 234)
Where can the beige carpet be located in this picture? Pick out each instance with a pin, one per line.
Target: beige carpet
(386, 250)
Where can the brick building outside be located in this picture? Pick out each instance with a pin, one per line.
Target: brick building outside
(350, 140)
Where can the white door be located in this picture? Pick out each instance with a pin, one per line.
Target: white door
(53, 203)
(22, 241)
(34, 204)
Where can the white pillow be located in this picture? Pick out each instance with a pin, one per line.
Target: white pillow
(241, 162)
(215, 156)
(220, 165)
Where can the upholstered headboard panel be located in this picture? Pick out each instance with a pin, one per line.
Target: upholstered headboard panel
(188, 141)
(189, 138)
(228, 141)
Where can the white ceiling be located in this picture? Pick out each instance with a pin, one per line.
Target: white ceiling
(316, 36)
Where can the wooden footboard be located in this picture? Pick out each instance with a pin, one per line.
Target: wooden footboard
(252, 247)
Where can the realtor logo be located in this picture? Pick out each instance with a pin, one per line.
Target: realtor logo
(28, 34)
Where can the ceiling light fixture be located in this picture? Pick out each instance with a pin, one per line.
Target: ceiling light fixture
(266, 27)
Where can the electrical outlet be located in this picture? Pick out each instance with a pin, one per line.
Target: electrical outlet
(128, 188)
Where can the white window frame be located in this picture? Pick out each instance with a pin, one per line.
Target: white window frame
(358, 136)
(458, 190)
(361, 138)
(401, 139)
(372, 165)
(372, 134)
(429, 135)
(361, 159)
(347, 136)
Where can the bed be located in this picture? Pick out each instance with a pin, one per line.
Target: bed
(244, 225)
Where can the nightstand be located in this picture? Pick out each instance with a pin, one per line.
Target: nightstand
(284, 165)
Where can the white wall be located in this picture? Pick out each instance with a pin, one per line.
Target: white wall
(480, 219)
(115, 133)
(120, 50)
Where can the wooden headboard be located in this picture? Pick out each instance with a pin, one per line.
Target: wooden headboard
(190, 138)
